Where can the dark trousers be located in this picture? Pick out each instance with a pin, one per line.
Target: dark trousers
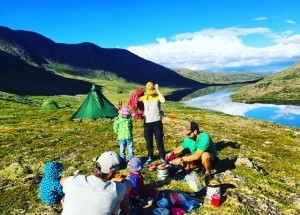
(155, 128)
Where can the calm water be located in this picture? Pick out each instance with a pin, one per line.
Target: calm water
(220, 101)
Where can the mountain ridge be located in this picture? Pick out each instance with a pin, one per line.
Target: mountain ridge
(221, 77)
(39, 51)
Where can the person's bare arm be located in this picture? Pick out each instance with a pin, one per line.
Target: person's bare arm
(160, 96)
(189, 158)
(193, 157)
(175, 151)
(62, 180)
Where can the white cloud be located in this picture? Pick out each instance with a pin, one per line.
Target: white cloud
(217, 49)
(226, 32)
(295, 39)
(289, 21)
(287, 112)
(260, 18)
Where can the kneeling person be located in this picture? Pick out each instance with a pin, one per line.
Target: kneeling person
(202, 148)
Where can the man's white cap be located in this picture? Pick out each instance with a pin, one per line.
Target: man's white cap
(109, 162)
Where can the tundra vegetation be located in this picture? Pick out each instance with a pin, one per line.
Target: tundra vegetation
(259, 167)
(280, 88)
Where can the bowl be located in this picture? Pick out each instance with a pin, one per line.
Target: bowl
(152, 167)
(160, 211)
(163, 203)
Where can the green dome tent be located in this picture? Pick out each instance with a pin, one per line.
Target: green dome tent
(49, 105)
(95, 106)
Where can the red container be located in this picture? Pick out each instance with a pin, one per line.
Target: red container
(216, 200)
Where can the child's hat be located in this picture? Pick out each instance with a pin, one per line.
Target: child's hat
(125, 110)
(53, 169)
(136, 164)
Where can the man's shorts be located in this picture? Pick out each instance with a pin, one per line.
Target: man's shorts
(198, 164)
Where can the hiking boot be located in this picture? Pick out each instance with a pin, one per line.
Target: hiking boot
(147, 162)
(207, 178)
(200, 171)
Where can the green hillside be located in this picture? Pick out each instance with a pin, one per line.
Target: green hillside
(259, 166)
(41, 60)
(221, 77)
(279, 88)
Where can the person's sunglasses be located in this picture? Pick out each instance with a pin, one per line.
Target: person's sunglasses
(188, 134)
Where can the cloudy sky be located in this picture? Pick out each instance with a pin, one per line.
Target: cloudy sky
(206, 35)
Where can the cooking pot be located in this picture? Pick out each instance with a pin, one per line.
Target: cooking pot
(213, 187)
(162, 171)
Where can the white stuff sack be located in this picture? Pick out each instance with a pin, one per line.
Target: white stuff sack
(193, 181)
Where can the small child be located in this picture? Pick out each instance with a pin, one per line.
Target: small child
(139, 190)
(123, 127)
(50, 188)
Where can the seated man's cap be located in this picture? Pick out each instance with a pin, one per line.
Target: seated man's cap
(190, 127)
(109, 162)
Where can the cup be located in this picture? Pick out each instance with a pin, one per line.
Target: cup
(216, 200)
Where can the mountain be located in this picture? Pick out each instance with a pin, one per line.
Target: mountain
(19, 77)
(23, 52)
(221, 77)
(279, 88)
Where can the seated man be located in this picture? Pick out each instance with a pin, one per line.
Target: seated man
(98, 193)
(201, 146)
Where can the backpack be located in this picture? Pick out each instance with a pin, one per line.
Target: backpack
(136, 105)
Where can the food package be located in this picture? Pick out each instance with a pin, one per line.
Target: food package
(176, 198)
(193, 181)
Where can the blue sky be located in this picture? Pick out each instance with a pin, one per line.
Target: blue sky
(207, 35)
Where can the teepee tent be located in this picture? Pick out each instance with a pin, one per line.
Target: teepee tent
(49, 105)
(95, 106)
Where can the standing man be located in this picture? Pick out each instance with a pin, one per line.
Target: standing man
(98, 193)
(152, 100)
(202, 148)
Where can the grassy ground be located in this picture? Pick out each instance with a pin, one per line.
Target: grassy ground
(30, 137)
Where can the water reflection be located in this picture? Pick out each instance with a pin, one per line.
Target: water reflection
(210, 90)
(220, 101)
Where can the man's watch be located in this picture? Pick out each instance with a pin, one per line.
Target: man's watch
(181, 160)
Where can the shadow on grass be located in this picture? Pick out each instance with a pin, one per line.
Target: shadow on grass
(226, 164)
(224, 187)
(223, 144)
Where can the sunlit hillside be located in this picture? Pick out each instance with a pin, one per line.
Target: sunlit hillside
(221, 77)
(280, 88)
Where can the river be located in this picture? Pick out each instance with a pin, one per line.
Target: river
(220, 101)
